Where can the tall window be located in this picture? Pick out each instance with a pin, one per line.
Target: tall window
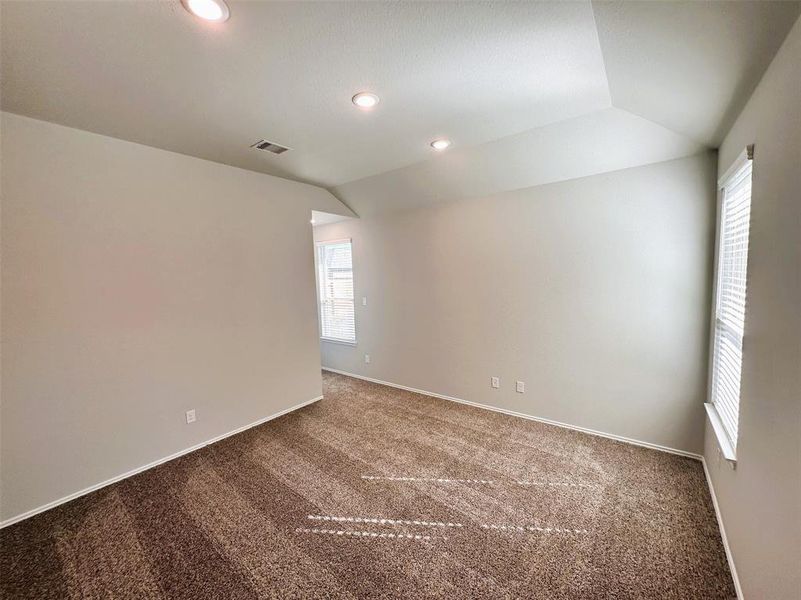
(727, 358)
(335, 286)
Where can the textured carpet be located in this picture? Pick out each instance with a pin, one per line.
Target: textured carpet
(375, 492)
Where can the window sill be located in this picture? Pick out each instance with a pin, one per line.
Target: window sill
(723, 440)
(335, 341)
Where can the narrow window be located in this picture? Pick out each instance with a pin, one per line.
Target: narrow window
(727, 352)
(335, 287)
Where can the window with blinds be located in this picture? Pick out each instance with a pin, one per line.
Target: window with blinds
(335, 287)
(735, 214)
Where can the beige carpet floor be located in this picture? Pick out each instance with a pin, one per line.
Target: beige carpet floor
(375, 492)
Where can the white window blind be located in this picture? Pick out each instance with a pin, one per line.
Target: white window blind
(735, 216)
(335, 285)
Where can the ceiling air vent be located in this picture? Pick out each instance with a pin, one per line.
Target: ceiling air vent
(269, 147)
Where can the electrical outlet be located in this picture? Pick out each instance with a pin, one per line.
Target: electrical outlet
(190, 416)
(364, 300)
(495, 382)
(367, 358)
(520, 386)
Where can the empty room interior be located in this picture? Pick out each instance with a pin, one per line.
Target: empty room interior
(400, 299)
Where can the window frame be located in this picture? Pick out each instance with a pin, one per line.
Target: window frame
(318, 284)
(727, 440)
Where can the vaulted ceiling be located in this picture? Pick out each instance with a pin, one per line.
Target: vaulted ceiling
(529, 93)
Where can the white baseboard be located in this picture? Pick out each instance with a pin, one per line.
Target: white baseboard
(523, 415)
(90, 489)
(115, 479)
(729, 556)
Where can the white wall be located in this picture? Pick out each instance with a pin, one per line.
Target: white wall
(760, 501)
(595, 292)
(137, 284)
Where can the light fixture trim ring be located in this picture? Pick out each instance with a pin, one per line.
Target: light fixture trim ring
(374, 100)
(225, 12)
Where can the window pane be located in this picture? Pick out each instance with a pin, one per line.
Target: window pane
(727, 356)
(335, 283)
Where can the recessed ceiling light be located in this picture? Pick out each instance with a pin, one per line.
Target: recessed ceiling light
(312, 221)
(365, 100)
(210, 10)
(440, 145)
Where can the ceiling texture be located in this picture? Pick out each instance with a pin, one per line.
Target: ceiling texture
(528, 92)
